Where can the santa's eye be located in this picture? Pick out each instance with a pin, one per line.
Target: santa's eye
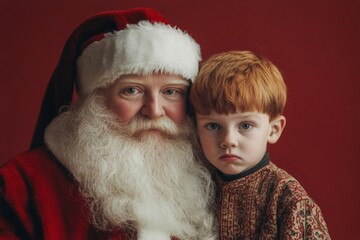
(130, 91)
(170, 91)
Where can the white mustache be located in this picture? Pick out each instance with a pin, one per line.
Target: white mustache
(139, 124)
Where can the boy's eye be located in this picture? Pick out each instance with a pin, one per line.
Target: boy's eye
(246, 126)
(213, 126)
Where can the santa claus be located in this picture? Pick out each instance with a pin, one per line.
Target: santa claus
(121, 162)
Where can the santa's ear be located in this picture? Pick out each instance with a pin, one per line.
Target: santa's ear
(277, 126)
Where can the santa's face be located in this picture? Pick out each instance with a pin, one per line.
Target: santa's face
(152, 96)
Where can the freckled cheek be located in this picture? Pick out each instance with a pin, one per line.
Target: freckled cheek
(208, 144)
(210, 152)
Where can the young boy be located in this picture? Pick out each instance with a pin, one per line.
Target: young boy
(238, 99)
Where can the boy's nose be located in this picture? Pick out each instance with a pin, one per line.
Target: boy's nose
(229, 140)
(153, 107)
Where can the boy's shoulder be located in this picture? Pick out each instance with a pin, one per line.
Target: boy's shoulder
(283, 185)
(294, 207)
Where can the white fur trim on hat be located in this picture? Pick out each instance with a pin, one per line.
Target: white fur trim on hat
(142, 48)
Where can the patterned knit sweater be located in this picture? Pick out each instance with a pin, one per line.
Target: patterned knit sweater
(267, 203)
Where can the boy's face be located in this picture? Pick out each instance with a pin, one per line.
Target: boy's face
(236, 142)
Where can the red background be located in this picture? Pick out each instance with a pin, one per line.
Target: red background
(316, 45)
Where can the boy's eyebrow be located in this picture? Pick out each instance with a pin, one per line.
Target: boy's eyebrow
(251, 115)
(203, 117)
(245, 116)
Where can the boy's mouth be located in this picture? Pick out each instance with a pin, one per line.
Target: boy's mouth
(229, 157)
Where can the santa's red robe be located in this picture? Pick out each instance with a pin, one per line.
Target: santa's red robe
(39, 199)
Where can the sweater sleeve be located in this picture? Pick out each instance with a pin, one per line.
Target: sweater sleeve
(303, 220)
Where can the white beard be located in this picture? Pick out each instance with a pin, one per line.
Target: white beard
(130, 178)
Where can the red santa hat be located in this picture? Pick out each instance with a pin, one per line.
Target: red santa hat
(111, 44)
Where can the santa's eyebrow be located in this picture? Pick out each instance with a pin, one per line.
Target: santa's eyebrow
(168, 82)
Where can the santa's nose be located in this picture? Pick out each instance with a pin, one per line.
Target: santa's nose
(153, 107)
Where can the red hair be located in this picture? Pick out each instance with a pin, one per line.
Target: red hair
(238, 81)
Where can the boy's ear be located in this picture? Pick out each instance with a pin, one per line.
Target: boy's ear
(277, 126)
